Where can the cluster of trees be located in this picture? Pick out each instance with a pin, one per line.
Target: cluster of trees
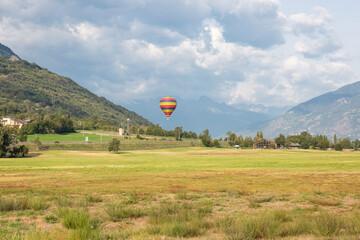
(156, 130)
(9, 143)
(232, 139)
(61, 124)
(207, 141)
(307, 141)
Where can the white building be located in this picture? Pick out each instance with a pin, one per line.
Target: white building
(14, 122)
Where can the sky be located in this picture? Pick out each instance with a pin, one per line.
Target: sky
(270, 52)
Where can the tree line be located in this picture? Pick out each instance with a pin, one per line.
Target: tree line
(304, 139)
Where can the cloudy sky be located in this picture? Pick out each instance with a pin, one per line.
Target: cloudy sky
(271, 52)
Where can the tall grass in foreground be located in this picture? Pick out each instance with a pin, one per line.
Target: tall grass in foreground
(85, 226)
(11, 204)
(118, 212)
(276, 224)
(17, 204)
(185, 220)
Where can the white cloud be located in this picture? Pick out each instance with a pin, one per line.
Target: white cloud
(316, 36)
(234, 51)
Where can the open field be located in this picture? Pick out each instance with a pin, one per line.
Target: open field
(68, 137)
(194, 193)
(95, 136)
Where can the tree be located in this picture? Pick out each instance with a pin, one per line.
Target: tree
(37, 143)
(338, 147)
(8, 144)
(356, 143)
(178, 133)
(206, 138)
(248, 142)
(280, 140)
(346, 144)
(114, 145)
(216, 143)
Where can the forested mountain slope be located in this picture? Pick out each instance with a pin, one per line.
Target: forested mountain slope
(30, 91)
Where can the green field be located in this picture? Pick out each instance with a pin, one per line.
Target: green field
(68, 137)
(196, 193)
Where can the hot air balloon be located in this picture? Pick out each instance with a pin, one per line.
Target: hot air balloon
(168, 105)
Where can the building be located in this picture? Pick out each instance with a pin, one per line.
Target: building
(121, 132)
(264, 143)
(14, 122)
(295, 146)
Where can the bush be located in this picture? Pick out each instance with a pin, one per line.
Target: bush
(114, 145)
(216, 143)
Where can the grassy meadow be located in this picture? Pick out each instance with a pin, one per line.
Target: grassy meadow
(191, 193)
(68, 137)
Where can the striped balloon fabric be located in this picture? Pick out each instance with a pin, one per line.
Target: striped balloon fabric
(168, 105)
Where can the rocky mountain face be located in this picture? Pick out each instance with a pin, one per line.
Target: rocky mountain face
(8, 53)
(336, 112)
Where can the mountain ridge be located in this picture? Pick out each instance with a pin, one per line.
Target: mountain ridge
(336, 112)
(30, 90)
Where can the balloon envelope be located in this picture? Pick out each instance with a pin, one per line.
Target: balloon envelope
(168, 105)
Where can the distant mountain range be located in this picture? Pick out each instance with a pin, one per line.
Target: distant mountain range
(336, 112)
(28, 90)
(205, 113)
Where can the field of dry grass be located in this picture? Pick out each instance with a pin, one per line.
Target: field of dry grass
(193, 193)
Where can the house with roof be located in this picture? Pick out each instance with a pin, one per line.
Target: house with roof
(9, 121)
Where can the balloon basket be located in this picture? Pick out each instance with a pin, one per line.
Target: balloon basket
(167, 118)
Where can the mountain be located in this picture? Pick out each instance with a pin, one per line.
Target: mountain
(7, 53)
(199, 114)
(336, 112)
(28, 90)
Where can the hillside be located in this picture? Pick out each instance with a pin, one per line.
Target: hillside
(336, 112)
(28, 90)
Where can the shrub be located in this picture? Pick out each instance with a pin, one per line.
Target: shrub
(114, 145)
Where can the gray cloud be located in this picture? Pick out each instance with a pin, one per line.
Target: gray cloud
(233, 51)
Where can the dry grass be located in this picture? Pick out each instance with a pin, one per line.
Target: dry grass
(181, 193)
